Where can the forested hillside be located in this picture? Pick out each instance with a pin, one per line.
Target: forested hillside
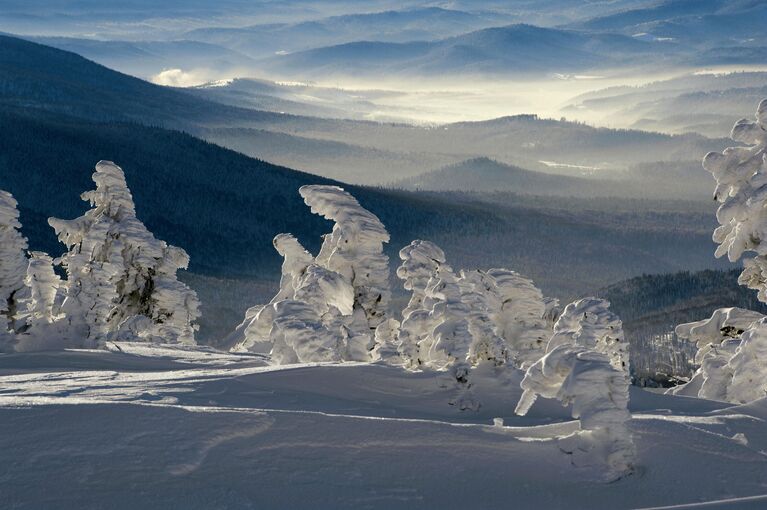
(652, 305)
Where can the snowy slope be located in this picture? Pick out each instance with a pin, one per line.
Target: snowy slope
(171, 428)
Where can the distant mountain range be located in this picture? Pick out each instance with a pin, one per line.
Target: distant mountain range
(60, 113)
(147, 59)
(388, 26)
(708, 103)
(497, 51)
(704, 23)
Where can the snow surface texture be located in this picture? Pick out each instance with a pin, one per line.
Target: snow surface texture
(153, 427)
(13, 263)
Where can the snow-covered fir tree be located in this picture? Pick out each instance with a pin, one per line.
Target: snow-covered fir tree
(598, 392)
(13, 268)
(741, 189)
(520, 315)
(121, 280)
(718, 339)
(42, 307)
(732, 343)
(343, 292)
(355, 250)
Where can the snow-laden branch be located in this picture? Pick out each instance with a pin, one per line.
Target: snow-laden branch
(720, 339)
(741, 188)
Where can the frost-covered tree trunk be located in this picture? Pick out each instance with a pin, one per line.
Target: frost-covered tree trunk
(121, 280)
(598, 392)
(13, 267)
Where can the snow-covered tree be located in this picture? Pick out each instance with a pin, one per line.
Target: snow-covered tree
(121, 280)
(422, 263)
(13, 266)
(44, 284)
(731, 344)
(598, 392)
(253, 333)
(748, 366)
(421, 260)
(741, 189)
(723, 325)
(718, 339)
(520, 315)
(477, 293)
(354, 249)
(590, 324)
(346, 287)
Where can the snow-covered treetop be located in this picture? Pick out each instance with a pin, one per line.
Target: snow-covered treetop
(353, 222)
(354, 248)
(9, 213)
(12, 245)
(295, 257)
(741, 177)
(420, 260)
(519, 296)
(111, 196)
(590, 323)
